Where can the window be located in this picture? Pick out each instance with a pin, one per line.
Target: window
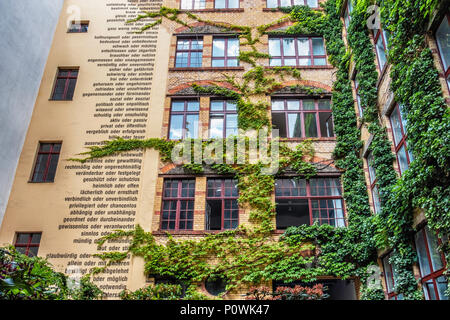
(298, 51)
(432, 265)
(302, 118)
(192, 4)
(28, 243)
(178, 205)
(390, 276)
(373, 185)
(184, 119)
(226, 4)
(78, 27)
(398, 123)
(348, 11)
(381, 42)
(358, 97)
(223, 119)
(443, 41)
(225, 52)
(65, 84)
(46, 162)
(215, 285)
(289, 3)
(222, 211)
(300, 201)
(189, 53)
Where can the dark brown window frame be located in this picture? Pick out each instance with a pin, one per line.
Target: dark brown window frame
(179, 199)
(28, 244)
(297, 57)
(403, 141)
(70, 76)
(223, 198)
(446, 72)
(189, 51)
(48, 161)
(226, 57)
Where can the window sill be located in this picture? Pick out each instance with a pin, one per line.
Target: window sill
(208, 69)
(40, 182)
(303, 67)
(187, 232)
(60, 99)
(312, 139)
(382, 75)
(278, 9)
(213, 10)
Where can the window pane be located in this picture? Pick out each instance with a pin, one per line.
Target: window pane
(292, 212)
(325, 104)
(52, 168)
(275, 62)
(219, 4)
(318, 47)
(193, 106)
(442, 286)
(288, 47)
(233, 48)
(177, 105)
(285, 3)
(186, 4)
(376, 200)
(199, 4)
(428, 288)
(41, 165)
(23, 238)
(218, 63)
(309, 105)
(216, 130)
(197, 44)
(295, 126)
(274, 47)
(60, 87)
(326, 124)
(196, 59)
(402, 159)
(233, 3)
(310, 125)
(433, 245)
(181, 60)
(183, 44)
(372, 175)
(381, 53)
(396, 126)
(176, 127)
(279, 122)
(272, 3)
(293, 104)
(303, 47)
(232, 125)
(443, 40)
(388, 274)
(217, 105)
(304, 62)
(313, 3)
(231, 106)
(290, 62)
(277, 105)
(192, 126)
(320, 62)
(422, 254)
(219, 48)
(232, 62)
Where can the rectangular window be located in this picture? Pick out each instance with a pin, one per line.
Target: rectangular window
(289, 3)
(301, 201)
(297, 51)
(193, 4)
(222, 210)
(390, 276)
(78, 27)
(226, 4)
(358, 97)
(302, 118)
(443, 41)
(223, 119)
(184, 117)
(373, 185)
(380, 39)
(225, 52)
(189, 53)
(28, 243)
(348, 11)
(432, 265)
(65, 84)
(178, 205)
(46, 162)
(398, 123)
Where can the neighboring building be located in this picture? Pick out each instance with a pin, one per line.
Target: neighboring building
(27, 33)
(103, 80)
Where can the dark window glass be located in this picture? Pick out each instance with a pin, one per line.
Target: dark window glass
(178, 205)
(189, 53)
(443, 41)
(222, 210)
(28, 243)
(398, 123)
(65, 84)
(46, 162)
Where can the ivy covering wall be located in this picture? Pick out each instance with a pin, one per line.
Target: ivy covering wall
(252, 255)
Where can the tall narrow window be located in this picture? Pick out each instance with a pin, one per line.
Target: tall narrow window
(398, 123)
(78, 27)
(184, 119)
(297, 51)
(189, 53)
(443, 41)
(373, 185)
(225, 52)
(432, 265)
(46, 162)
(222, 210)
(193, 4)
(302, 118)
(390, 277)
(223, 119)
(226, 4)
(300, 201)
(381, 42)
(65, 84)
(348, 11)
(178, 205)
(289, 3)
(358, 98)
(28, 243)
